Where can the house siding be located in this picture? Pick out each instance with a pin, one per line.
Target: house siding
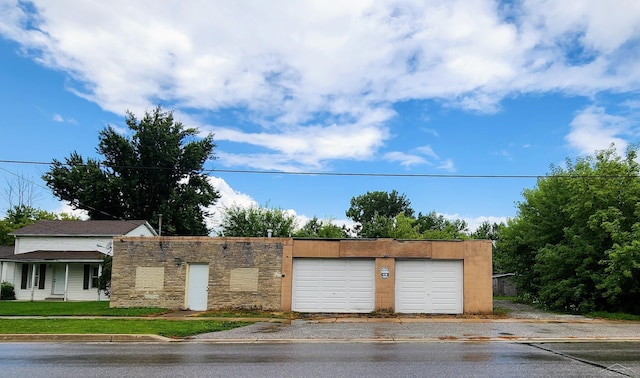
(74, 291)
(62, 243)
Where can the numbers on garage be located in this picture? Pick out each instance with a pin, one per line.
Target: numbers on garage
(333, 285)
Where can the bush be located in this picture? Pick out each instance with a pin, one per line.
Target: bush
(6, 291)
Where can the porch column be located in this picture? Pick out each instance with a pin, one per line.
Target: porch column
(66, 280)
(99, 275)
(33, 280)
(1, 278)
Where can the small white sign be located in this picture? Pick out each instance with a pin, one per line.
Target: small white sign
(384, 273)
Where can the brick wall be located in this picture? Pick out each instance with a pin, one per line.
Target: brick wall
(243, 272)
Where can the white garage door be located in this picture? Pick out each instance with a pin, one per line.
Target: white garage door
(333, 285)
(429, 286)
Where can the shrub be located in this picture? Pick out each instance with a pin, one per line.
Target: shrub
(7, 291)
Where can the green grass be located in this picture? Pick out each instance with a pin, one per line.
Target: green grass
(505, 297)
(13, 308)
(168, 328)
(613, 315)
(244, 313)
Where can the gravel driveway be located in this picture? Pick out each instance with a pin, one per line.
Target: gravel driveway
(523, 311)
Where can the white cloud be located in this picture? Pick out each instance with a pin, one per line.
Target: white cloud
(593, 129)
(58, 118)
(228, 198)
(427, 150)
(447, 165)
(474, 222)
(64, 207)
(404, 159)
(308, 70)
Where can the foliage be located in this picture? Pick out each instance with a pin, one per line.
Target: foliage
(163, 327)
(159, 170)
(367, 207)
(104, 281)
(93, 308)
(574, 244)
(7, 291)
(488, 231)
(22, 215)
(256, 221)
(315, 228)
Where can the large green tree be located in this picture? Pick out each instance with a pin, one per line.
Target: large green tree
(255, 221)
(371, 209)
(158, 170)
(574, 242)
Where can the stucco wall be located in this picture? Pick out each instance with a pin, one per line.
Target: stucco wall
(168, 258)
(475, 254)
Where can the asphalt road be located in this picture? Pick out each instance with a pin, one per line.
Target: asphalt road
(424, 359)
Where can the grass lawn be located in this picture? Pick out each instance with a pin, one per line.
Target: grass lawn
(14, 308)
(613, 316)
(168, 328)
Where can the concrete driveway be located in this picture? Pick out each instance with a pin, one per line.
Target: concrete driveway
(524, 323)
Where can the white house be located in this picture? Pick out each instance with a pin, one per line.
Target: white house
(63, 259)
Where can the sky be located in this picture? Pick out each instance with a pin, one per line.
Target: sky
(458, 105)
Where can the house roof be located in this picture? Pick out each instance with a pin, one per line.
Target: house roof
(80, 228)
(74, 256)
(6, 251)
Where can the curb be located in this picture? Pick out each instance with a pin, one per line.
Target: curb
(84, 338)
(475, 339)
(141, 338)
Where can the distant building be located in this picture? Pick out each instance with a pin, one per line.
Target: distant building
(504, 285)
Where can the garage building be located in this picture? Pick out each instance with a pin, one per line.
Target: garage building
(304, 275)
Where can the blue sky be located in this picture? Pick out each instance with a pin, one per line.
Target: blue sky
(427, 94)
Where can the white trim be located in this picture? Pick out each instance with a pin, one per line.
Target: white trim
(66, 281)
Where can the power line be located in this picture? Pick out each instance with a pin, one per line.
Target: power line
(354, 174)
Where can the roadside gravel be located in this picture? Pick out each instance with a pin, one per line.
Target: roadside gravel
(523, 311)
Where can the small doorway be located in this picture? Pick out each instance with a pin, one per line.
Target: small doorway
(59, 276)
(198, 287)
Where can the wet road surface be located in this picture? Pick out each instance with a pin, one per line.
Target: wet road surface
(423, 359)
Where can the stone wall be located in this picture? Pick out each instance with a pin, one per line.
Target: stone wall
(243, 272)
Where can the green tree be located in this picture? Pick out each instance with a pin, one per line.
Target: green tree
(316, 228)
(436, 226)
(23, 215)
(573, 243)
(368, 210)
(257, 221)
(159, 170)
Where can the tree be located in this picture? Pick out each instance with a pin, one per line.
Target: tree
(159, 170)
(315, 228)
(23, 215)
(367, 207)
(574, 242)
(488, 231)
(257, 221)
(436, 226)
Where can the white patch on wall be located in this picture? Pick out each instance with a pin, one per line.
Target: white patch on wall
(149, 278)
(244, 279)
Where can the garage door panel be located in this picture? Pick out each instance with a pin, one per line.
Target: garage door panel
(429, 286)
(333, 285)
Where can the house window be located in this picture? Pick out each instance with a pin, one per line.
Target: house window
(91, 276)
(95, 274)
(27, 273)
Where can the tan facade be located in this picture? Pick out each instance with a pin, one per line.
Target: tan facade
(258, 272)
(475, 254)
